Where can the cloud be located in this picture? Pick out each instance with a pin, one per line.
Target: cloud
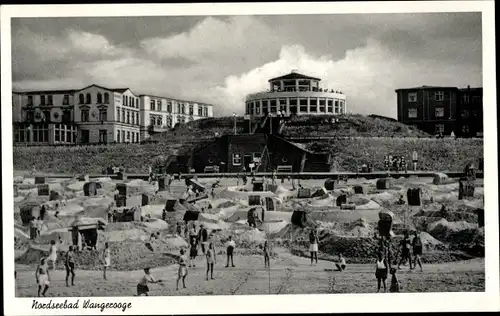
(367, 75)
(215, 39)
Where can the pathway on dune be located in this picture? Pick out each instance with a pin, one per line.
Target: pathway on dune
(289, 274)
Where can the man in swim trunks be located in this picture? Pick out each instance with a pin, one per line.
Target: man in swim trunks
(42, 277)
(405, 250)
(70, 266)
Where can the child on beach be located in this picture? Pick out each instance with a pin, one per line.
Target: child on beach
(182, 270)
(70, 266)
(106, 258)
(42, 277)
(341, 264)
(381, 271)
(265, 250)
(211, 260)
(193, 252)
(142, 287)
(395, 286)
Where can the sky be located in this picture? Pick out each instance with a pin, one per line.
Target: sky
(221, 59)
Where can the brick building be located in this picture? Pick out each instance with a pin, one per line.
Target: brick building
(442, 110)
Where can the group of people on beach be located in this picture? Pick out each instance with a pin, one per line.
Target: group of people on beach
(49, 263)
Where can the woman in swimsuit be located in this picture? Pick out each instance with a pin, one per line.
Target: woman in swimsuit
(211, 260)
(182, 270)
(42, 277)
(106, 256)
(70, 266)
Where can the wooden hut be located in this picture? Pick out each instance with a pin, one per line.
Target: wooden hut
(341, 199)
(39, 180)
(43, 189)
(385, 222)
(358, 189)
(299, 218)
(413, 196)
(384, 183)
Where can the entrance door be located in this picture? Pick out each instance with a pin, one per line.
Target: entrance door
(85, 136)
(247, 160)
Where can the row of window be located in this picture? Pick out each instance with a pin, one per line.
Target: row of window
(126, 136)
(102, 115)
(237, 160)
(126, 116)
(438, 96)
(87, 98)
(34, 134)
(130, 101)
(181, 108)
(271, 106)
(438, 112)
(65, 134)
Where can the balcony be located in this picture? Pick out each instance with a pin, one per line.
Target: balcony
(158, 128)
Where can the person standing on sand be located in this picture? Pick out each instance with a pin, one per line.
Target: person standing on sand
(106, 258)
(42, 277)
(381, 271)
(33, 228)
(142, 287)
(265, 250)
(405, 250)
(182, 274)
(211, 260)
(313, 246)
(39, 225)
(203, 238)
(417, 251)
(193, 252)
(229, 251)
(70, 266)
(53, 255)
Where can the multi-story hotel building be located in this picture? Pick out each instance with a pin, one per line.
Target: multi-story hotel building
(96, 114)
(442, 110)
(295, 93)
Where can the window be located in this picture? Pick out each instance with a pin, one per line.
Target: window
(159, 120)
(46, 116)
(132, 102)
(68, 136)
(84, 115)
(181, 119)
(128, 136)
(81, 99)
(330, 106)
(464, 114)
(158, 105)
(322, 105)
(123, 136)
(118, 136)
(106, 98)
(30, 100)
(313, 105)
(274, 109)
(133, 118)
(137, 118)
(178, 108)
(99, 97)
(169, 107)
(57, 135)
(200, 110)
(342, 107)
(439, 128)
(236, 160)
(412, 113)
(118, 115)
(439, 112)
(50, 101)
(283, 105)
(88, 98)
(128, 118)
(41, 133)
(169, 121)
(465, 98)
(42, 100)
(272, 104)
(439, 95)
(191, 109)
(66, 117)
(66, 99)
(206, 111)
(103, 136)
(124, 100)
(183, 108)
(103, 115)
(137, 102)
(337, 110)
(303, 105)
(412, 97)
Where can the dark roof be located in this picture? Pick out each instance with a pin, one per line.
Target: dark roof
(472, 89)
(120, 90)
(46, 92)
(294, 75)
(427, 87)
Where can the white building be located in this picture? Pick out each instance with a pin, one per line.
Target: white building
(295, 93)
(96, 114)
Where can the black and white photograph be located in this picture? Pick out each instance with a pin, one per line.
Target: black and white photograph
(202, 152)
